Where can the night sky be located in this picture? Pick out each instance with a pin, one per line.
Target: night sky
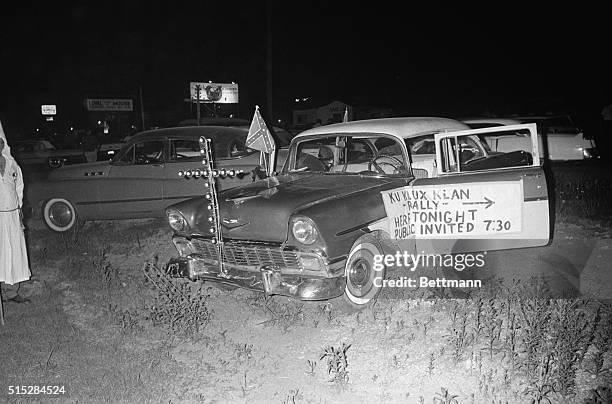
(418, 61)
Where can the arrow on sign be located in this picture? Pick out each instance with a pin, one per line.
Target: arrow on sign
(487, 202)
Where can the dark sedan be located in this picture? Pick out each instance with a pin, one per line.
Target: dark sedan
(141, 180)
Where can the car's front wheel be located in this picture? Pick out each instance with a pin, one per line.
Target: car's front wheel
(364, 276)
(60, 215)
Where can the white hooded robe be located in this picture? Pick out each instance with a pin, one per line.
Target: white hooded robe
(14, 266)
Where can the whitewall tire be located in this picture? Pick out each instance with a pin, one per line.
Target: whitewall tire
(363, 282)
(60, 215)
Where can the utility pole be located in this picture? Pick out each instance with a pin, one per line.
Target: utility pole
(141, 107)
(269, 59)
(198, 88)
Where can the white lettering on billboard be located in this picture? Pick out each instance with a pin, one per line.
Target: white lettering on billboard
(108, 104)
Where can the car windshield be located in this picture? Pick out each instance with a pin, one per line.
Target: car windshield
(375, 154)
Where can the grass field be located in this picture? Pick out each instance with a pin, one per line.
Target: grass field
(108, 325)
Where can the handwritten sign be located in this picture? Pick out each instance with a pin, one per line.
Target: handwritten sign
(454, 210)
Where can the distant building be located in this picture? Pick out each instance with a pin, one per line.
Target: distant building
(306, 115)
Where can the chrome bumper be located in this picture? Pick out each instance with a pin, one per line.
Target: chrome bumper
(269, 279)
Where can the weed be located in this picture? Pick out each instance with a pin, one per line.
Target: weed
(176, 306)
(534, 325)
(104, 270)
(491, 325)
(511, 341)
(426, 324)
(284, 316)
(540, 393)
(326, 311)
(245, 385)
(337, 363)
(599, 395)
(541, 388)
(431, 366)
(294, 396)
(71, 238)
(570, 333)
(256, 299)
(243, 352)
(459, 337)
(43, 255)
(311, 367)
(128, 321)
(444, 397)
(600, 341)
(50, 364)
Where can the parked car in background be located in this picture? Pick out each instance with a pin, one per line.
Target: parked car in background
(559, 139)
(107, 151)
(351, 193)
(142, 178)
(43, 153)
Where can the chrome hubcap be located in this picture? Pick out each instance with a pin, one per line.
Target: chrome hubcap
(359, 274)
(60, 214)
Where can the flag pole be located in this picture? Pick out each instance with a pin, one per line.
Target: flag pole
(272, 162)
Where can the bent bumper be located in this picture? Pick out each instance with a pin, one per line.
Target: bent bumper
(269, 279)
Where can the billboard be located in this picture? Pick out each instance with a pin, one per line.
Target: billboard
(109, 104)
(222, 93)
(48, 109)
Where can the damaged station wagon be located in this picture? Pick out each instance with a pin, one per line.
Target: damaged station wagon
(351, 191)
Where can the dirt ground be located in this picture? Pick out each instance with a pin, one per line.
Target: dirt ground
(97, 325)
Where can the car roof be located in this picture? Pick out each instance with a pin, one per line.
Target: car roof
(212, 121)
(500, 121)
(282, 135)
(31, 140)
(539, 117)
(403, 128)
(189, 131)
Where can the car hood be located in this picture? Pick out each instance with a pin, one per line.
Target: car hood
(261, 211)
(95, 169)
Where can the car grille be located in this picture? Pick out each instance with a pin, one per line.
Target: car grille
(243, 254)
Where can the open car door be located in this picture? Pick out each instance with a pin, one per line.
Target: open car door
(480, 200)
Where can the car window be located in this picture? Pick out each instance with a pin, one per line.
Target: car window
(146, 152)
(282, 137)
(46, 145)
(184, 150)
(348, 154)
(25, 147)
(461, 149)
(509, 148)
(224, 147)
(421, 145)
(236, 148)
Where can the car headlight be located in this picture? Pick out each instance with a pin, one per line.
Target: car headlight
(304, 230)
(176, 220)
(590, 152)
